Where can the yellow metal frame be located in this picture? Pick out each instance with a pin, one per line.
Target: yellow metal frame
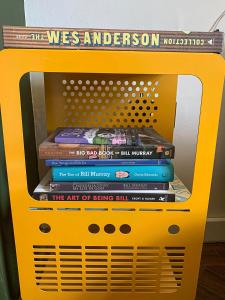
(149, 221)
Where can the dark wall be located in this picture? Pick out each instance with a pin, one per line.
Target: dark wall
(11, 13)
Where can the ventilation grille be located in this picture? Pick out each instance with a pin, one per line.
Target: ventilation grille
(108, 269)
(89, 100)
(111, 100)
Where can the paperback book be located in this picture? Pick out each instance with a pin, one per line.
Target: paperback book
(163, 173)
(146, 144)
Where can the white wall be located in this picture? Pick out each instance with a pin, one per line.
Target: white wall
(146, 14)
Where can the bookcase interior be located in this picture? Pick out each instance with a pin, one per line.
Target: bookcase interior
(101, 100)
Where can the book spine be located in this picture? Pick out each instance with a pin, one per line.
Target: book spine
(103, 162)
(36, 37)
(104, 152)
(163, 173)
(106, 186)
(136, 197)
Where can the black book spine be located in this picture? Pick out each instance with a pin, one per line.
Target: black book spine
(106, 186)
(129, 197)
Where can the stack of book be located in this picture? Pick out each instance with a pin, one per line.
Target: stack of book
(107, 164)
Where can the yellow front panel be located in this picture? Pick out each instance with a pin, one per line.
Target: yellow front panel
(70, 262)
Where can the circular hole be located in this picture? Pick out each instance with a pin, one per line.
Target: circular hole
(125, 229)
(144, 101)
(137, 101)
(103, 82)
(88, 82)
(142, 83)
(126, 82)
(132, 120)
(110, 82)
(64, 82)
(136, 114)
(92, 88)
(76, 88)
(148, 107)
(154, 121)
(99, 88)
(79, 81)
(134, 83)
(155, 107)
(149, 83)
(103, 94)
(107, 88)
(174, 229)
(133, 95)
(143, 114)
(129, 114)
(147, 120)
(64, 94)
(152, 101)
(71, 81)
(156, 83)
(140, 107)
(137, 89)
(140, 120)
(88, 94)
(84, 88)
(118, 82)
(145, 89)
(45, 228)
(133, 107)
(95, 82)
(122, 88)
(114, 88)
(72, 94)
(156, 95)
(80, 94)
(109, 228)
(130, 89)
(93, 228)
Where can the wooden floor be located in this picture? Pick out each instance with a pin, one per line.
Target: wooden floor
(211, 285)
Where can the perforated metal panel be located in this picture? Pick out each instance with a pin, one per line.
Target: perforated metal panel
(112, 269)
(106, 100)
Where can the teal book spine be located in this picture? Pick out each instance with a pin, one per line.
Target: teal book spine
(159, 173)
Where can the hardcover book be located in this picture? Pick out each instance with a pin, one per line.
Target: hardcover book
(148, 144)
(113, 39)
(42, 192)
(96, 136)
(104, 162)
(106, 186)
(163, 173)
